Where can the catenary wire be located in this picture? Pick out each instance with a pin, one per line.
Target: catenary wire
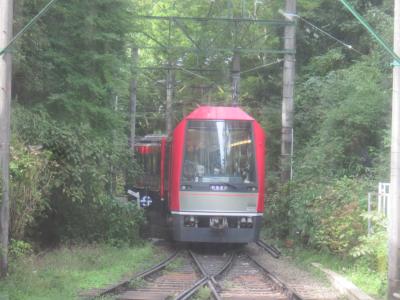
(346, 45)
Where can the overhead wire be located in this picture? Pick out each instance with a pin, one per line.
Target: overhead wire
(194, 74)
(364, 22)
(346, 45)
(27, 26)
(263, 66)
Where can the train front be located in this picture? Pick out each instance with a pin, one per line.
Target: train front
(217, 176)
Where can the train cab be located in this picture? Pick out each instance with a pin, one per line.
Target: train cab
(217, 176)
(206, 180)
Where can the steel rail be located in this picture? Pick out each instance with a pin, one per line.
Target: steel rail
(276, 249)
(140, 275)
(158, 267)
(225, 267)
(207, 279)
(186, 294)
(269, 248)
(290, 293)
(211, 282)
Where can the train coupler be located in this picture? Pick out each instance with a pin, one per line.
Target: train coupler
(218, 222)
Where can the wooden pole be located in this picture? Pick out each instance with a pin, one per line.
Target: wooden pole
(135, 56)
(289, 72)
(236, 79)
(6, 20)
(394, 204)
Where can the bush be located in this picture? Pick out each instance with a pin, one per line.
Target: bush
(30, 180)
(19, 248)
(70, 182)
(321, 215)
(111, 220)
(373, 248)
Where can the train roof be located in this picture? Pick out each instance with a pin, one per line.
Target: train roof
(219, 113)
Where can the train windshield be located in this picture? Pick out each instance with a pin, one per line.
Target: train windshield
(219, 151)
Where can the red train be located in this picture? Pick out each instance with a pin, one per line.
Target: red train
(207, 178)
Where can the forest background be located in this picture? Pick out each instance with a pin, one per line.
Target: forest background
(70, 116)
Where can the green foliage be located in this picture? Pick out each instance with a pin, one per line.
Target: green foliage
(30, 177)
(79, 169)
(74, 60)
(373, 248)
(111, 220)
(325, 216)
(82, 185)
(347, 121)
(337, 214)
(203, 293)
(67, 74)
(19, 249)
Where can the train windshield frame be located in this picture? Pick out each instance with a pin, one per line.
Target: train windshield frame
(219, 151)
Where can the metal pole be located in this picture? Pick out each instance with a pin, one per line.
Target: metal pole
(168, 111)
(113, 176)
(235, 79)
(135, 57)
(289, 71)
(369, 213)
(291, 156)
(6, 20)
(394, 204)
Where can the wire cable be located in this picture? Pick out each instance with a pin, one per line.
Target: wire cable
(364, 22)
(262, 66)
(348, 46)
(27, 26)
(193, 73)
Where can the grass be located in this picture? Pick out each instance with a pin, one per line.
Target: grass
(63, 273)
(175, 264)
(357, 271)
(203, 293)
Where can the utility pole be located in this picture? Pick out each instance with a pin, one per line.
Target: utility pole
(289, 73)
(113, 181)
(135, 56)
(170, 91)
(235, 79)
(6, 21)
(394, 206)
(394, 199)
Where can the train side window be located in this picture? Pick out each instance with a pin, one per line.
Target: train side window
(150, 158)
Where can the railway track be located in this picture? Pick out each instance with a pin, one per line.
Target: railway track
(205, 274)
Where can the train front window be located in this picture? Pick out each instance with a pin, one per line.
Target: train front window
(219, 151)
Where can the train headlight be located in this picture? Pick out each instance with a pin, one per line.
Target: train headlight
(190, 221)
(185, 187)
(252, 188)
